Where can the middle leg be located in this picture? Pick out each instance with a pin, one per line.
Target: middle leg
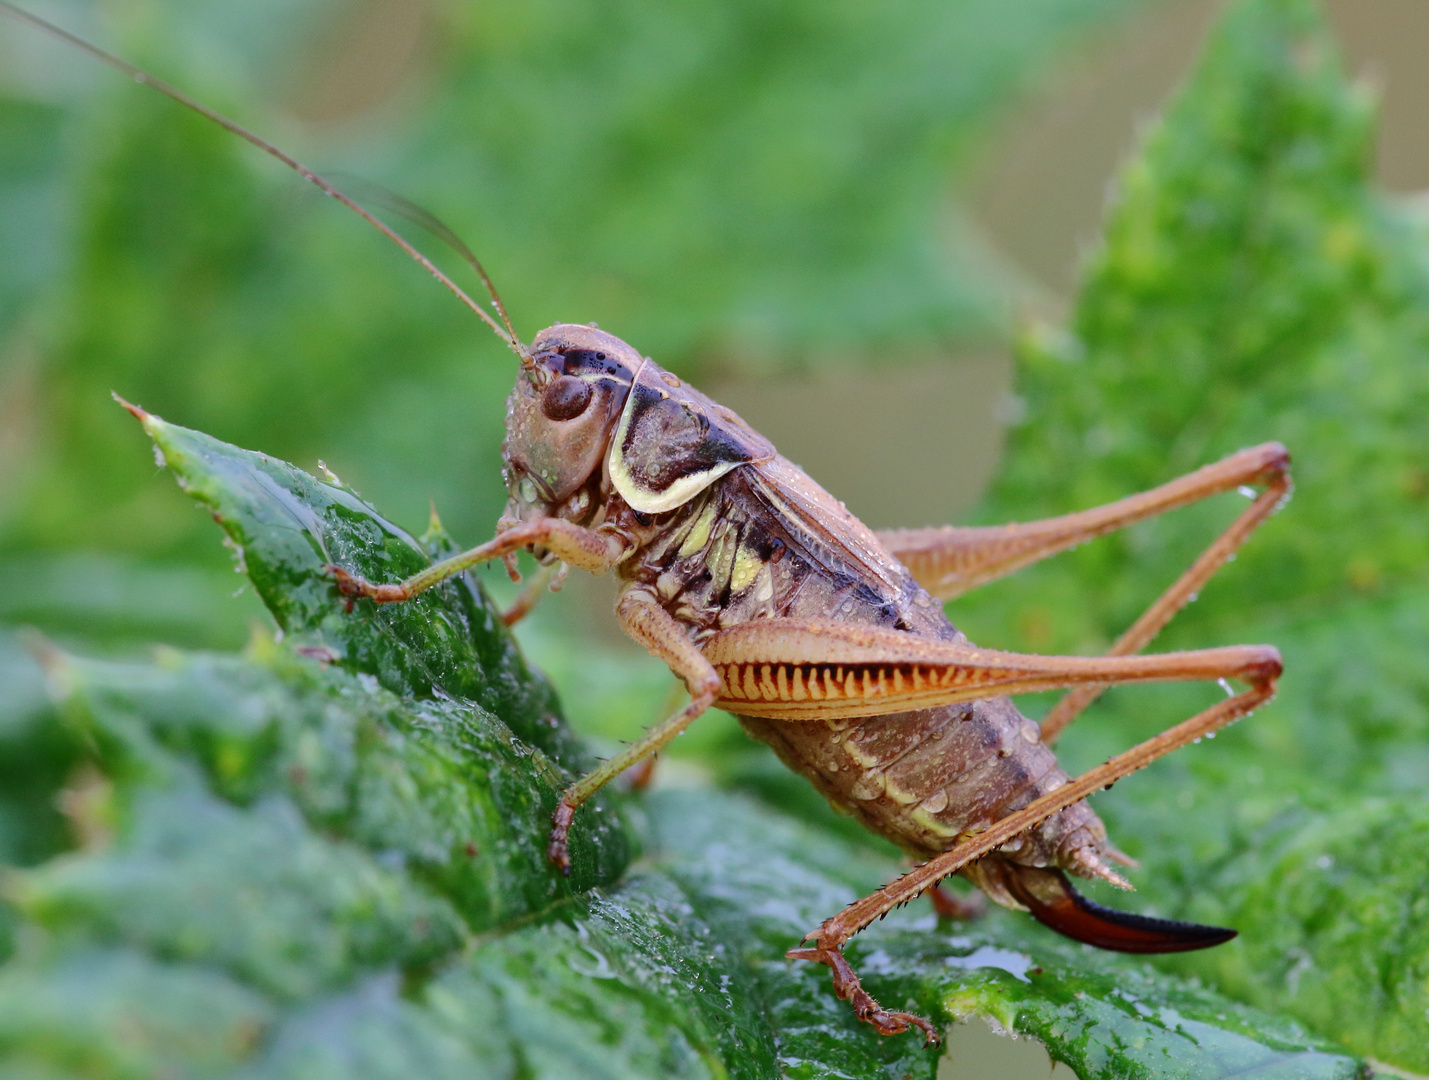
(641, 617)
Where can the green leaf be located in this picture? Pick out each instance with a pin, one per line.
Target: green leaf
(286, 526)
(118, 1013)
(35, 757)
(765, 881)
(250, 890)
(366, 863)
(1334, 923)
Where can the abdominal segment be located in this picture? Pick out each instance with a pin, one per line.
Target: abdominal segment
(928, 778)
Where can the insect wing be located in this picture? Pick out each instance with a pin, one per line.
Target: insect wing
(673, 442)
(822, 526)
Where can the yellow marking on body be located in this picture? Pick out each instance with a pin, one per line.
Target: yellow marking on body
(830, 691)
(816, 692)
(919, 682)
(898, 793)
(869, 786)
(931, 823)
(751, 689)
(867, 683)
(783, 675)
(861, 757)
(898, 680)
(766, 682)
(747, 565)
(851, 685)
(731, 681)
(720, 557)
(699, 534)
(650, 501)
(800, 694)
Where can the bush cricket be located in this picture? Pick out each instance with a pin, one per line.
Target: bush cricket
(828, 640)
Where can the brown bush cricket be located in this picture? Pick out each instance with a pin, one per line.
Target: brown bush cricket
(828, 641)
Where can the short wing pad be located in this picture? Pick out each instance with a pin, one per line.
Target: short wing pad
(673, 442)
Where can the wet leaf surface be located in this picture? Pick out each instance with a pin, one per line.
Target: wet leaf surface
(339, 860)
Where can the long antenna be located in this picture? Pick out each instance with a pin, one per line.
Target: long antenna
(142, 77)
(381, 197)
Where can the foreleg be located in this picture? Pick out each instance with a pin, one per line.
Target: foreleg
(585, 549)
(551, 577)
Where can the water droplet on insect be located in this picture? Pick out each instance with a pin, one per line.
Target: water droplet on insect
(868, 786)
(1224, 685)
(937, 802)
(1248, 492)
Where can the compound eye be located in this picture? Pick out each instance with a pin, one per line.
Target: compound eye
(566, 398)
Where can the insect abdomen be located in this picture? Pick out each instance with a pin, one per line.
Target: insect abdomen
(921, 778)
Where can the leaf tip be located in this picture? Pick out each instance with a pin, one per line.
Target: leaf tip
(153, 425)
(138, 413)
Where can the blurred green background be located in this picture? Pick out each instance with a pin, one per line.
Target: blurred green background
(747, 191)
(833, 217)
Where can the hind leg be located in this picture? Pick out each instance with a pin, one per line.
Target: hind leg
(950, 561)
(1130, 933)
